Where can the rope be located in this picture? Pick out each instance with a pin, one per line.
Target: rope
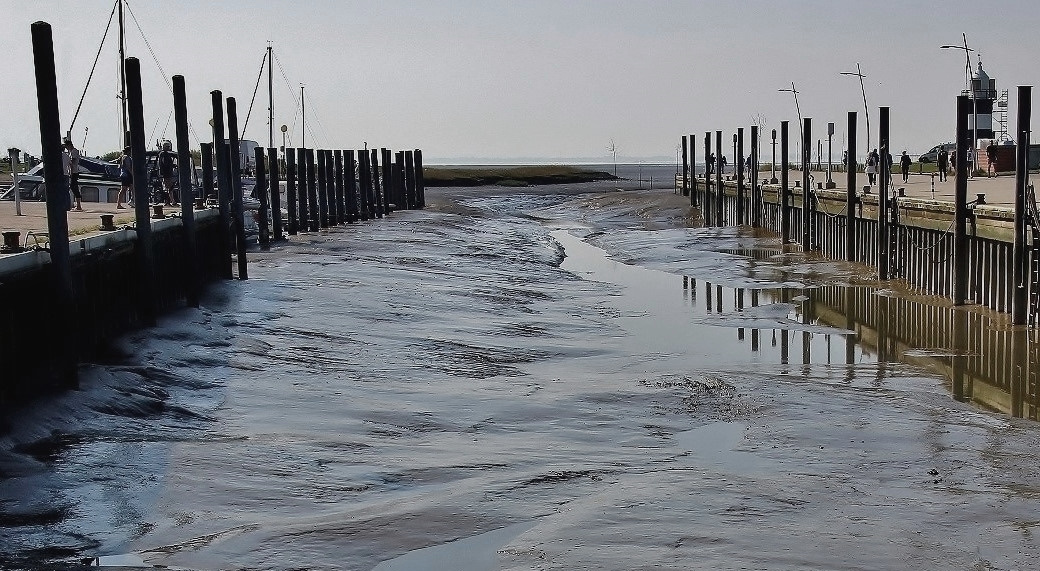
(93, 67)
(259, 76)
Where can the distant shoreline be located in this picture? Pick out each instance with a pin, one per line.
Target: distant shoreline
(513, 175)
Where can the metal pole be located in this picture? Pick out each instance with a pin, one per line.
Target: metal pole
(62, 304)
(830, 154)
(237, 206)
(1020, 302)
(223, 183)
(135, 111)
(125, 135)
(303, 122)
(785, 199)
(883, 170)
(772, 166)
(184, 168)
(807, 215)
(850, 190)
(12, 153)
(270, 96)
(960, 236)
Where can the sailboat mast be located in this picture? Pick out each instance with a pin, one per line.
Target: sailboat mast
(303, 115)
(125, 136)
(270, 96)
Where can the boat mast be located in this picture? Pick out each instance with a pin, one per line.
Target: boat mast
(303, 115)
(122, 77)
(270, 96)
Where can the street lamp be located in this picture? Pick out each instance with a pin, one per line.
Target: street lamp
(772, 179)
(283, 129)
(797, 108)
(866, 110)
(967, 81)
(735, 155)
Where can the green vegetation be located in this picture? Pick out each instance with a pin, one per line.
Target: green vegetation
(509, 175)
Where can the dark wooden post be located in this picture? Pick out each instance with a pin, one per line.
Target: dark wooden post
(260, 189)
(62, 338)
(330, 188)
(785, 191)
(409, 179)
(364, 182)
(806, 190)
(388, 181)
(378, 189)
(290, 191)
(739, 162)
(706, 207)
(192, 281)
(420, 180)
(142, 215)
(960, 236)
(756, 193)
(1020, 302)
(323, 190)
(350, 173)
(720, 197)
(276, 191)
(685, 169)
(884, 262)
(237, 204)
(338, 158)
(850, 191)
(693, 170)
(223, 183)
(302, 190)
(314, 222)
(206, 150)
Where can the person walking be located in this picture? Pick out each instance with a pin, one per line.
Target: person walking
(710, 164)
(941, 163)
(126, 178)
(73, 154)
(904, 166)
(991, 159)
(872, 165)
(168, 173)
(970, 162)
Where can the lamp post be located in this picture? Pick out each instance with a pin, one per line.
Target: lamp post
(866, 111)
(971, 89)
(830, 154)
(794, 91)
(283, 129)
(772, 166)
(734, 153)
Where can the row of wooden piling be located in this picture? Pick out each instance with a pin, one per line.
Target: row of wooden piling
(969, 264)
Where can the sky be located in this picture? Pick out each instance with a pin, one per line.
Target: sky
(497, 81)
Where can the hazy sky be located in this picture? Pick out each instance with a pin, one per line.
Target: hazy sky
(491, 79)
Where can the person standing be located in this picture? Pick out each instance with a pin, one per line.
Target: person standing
(969, 162)
(991, 156)
(168, 173)
(904, 166)
(711, 164)
(872, 165)
(941, 163)
(126, 178)
(73, 154)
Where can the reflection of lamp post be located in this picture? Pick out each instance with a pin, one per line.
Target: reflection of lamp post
(772, 179)
(971, 88)
(866, 112)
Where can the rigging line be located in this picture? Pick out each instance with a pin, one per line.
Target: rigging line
(155, 58)
(93, 67)
(287, 83)
(259, 76)
(292, 93)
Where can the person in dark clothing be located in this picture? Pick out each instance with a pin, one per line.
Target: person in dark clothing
(904, 166)
(941, 163)
(991, 155)
(168, 173)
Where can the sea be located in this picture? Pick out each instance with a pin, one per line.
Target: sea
(562, 377)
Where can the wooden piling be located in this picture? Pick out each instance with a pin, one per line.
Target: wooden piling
(314, 221)
(330, 188)
(706, 205)
(340, 208)
(260, 190)
(192, 278)
(693, 170)
(323, 190)
(756, 192)
(685, 169)
(237, 203)
(960, 222)
(807, 218)
(850, 191)
(220, 158)
(884, 170)
(420, 178)
(276, 192)
(302, 186)
(720, 194)
(409, 179)
(388, 178)
(143, 224)
(351, 186)
(1020, 255)
(64, 323)
(785, 191)
(290, 192)
(738, 161)
(377, 192)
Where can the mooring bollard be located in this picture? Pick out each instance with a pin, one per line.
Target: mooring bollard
(260, 189)
(107, 222)
(237, 202)
(12, 241)
(276, 192)
(290, 191)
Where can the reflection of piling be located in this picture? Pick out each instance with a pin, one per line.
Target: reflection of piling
(850, 188)
(237, 203)
(143, 225)
(62, 334)
(276, 192)
(192, 279)
(785, 191)
(261, 192)
(960, 237)
(960, 340)
(1020, 302)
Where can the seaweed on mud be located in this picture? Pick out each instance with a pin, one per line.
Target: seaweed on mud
(559, 476)
(49, 448)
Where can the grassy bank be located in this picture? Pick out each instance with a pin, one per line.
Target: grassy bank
(509, 175)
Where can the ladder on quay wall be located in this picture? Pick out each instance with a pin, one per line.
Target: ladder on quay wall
(1033, 220)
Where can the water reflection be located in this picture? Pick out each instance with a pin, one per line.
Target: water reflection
(984, 359)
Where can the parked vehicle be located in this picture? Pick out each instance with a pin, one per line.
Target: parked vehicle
(933, 154)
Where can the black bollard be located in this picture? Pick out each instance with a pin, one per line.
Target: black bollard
(323, 190)
(292, 226)
(223, 183)
(64, 322)
(850, 191)
(237, 204)
(420, 180)
(409, 179)
(756, 192)
(739, 162)
(377, 191)
(192, 281)
(314, 222)
(1020, 253)
(807, 211)
(350, 186)
(302, 185)
(143, 225)
(260, 191)
(276, 192)
(883, 171)
(785, 193)
(960, 220)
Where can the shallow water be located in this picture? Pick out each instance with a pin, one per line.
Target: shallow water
(532, 381)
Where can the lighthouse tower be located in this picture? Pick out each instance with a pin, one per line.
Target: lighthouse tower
(983, 94)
